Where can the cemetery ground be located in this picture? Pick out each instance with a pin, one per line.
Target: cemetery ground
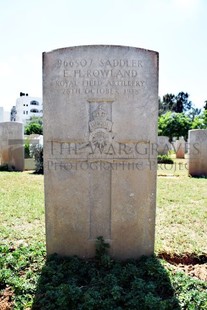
(174, 278)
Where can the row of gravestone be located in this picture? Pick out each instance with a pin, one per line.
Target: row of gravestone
(195, 150)
(179, 147)
(12, 151)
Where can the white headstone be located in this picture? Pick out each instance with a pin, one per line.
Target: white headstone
(11, 145)
(100, 121)
(197, 152)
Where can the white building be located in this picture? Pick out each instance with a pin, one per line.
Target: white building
(27, 107)
(4, 115)
(1, 114)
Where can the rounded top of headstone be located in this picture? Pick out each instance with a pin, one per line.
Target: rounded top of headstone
(198, 130)
(63, 49)
(11, 123)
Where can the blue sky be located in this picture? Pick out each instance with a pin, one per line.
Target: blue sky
(177, 29)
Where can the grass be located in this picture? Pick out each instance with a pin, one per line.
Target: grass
(21, 207)
(152, 283)
(181, 211)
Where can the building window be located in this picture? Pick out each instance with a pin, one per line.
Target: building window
(23, 112)
(34, 102)
(26, 112)
(34, 111)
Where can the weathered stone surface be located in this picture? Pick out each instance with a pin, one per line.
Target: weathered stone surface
(197, 161)
(180, 147)
(11, 145)
(100, 125)
(164, 145)
(29, 164)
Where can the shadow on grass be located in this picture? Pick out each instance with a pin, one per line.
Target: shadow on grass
(73, 283)
(204, 176)
(34, 172)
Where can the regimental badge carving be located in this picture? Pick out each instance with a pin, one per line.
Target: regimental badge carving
(100, 128)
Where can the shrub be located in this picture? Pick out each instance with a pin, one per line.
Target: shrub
(164, 159)
(34, 126)
(6, 167)
(27, 153)
(37, 152)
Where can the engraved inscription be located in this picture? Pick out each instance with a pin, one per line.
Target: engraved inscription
(101, 77)
(100, 128)
(74, 63)
(100, 136)
(121, 63)
(101, 73)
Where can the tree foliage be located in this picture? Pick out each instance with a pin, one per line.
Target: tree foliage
(177, 115)
(200, 121)
(194, 112)
(176, 125)
(173, 124)
(175, 103)
(34, 126)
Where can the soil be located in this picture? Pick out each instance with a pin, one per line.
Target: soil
(6, 299)
(193, 265)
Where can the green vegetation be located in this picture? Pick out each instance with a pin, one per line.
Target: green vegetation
(20, 269)
(164, 159)
(176, 103)
(21, 208)
(27, 153)
(37, 153)
(181, 211)
(6, 167)
(200, 121)
(72, 283)
(34, 126)
(34, 281)
(173, 124)
(177, 115)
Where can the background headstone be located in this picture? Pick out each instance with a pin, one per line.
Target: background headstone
(11, 145)
(164, 146)
(180, 147)
(100, 124)
(197, 161)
